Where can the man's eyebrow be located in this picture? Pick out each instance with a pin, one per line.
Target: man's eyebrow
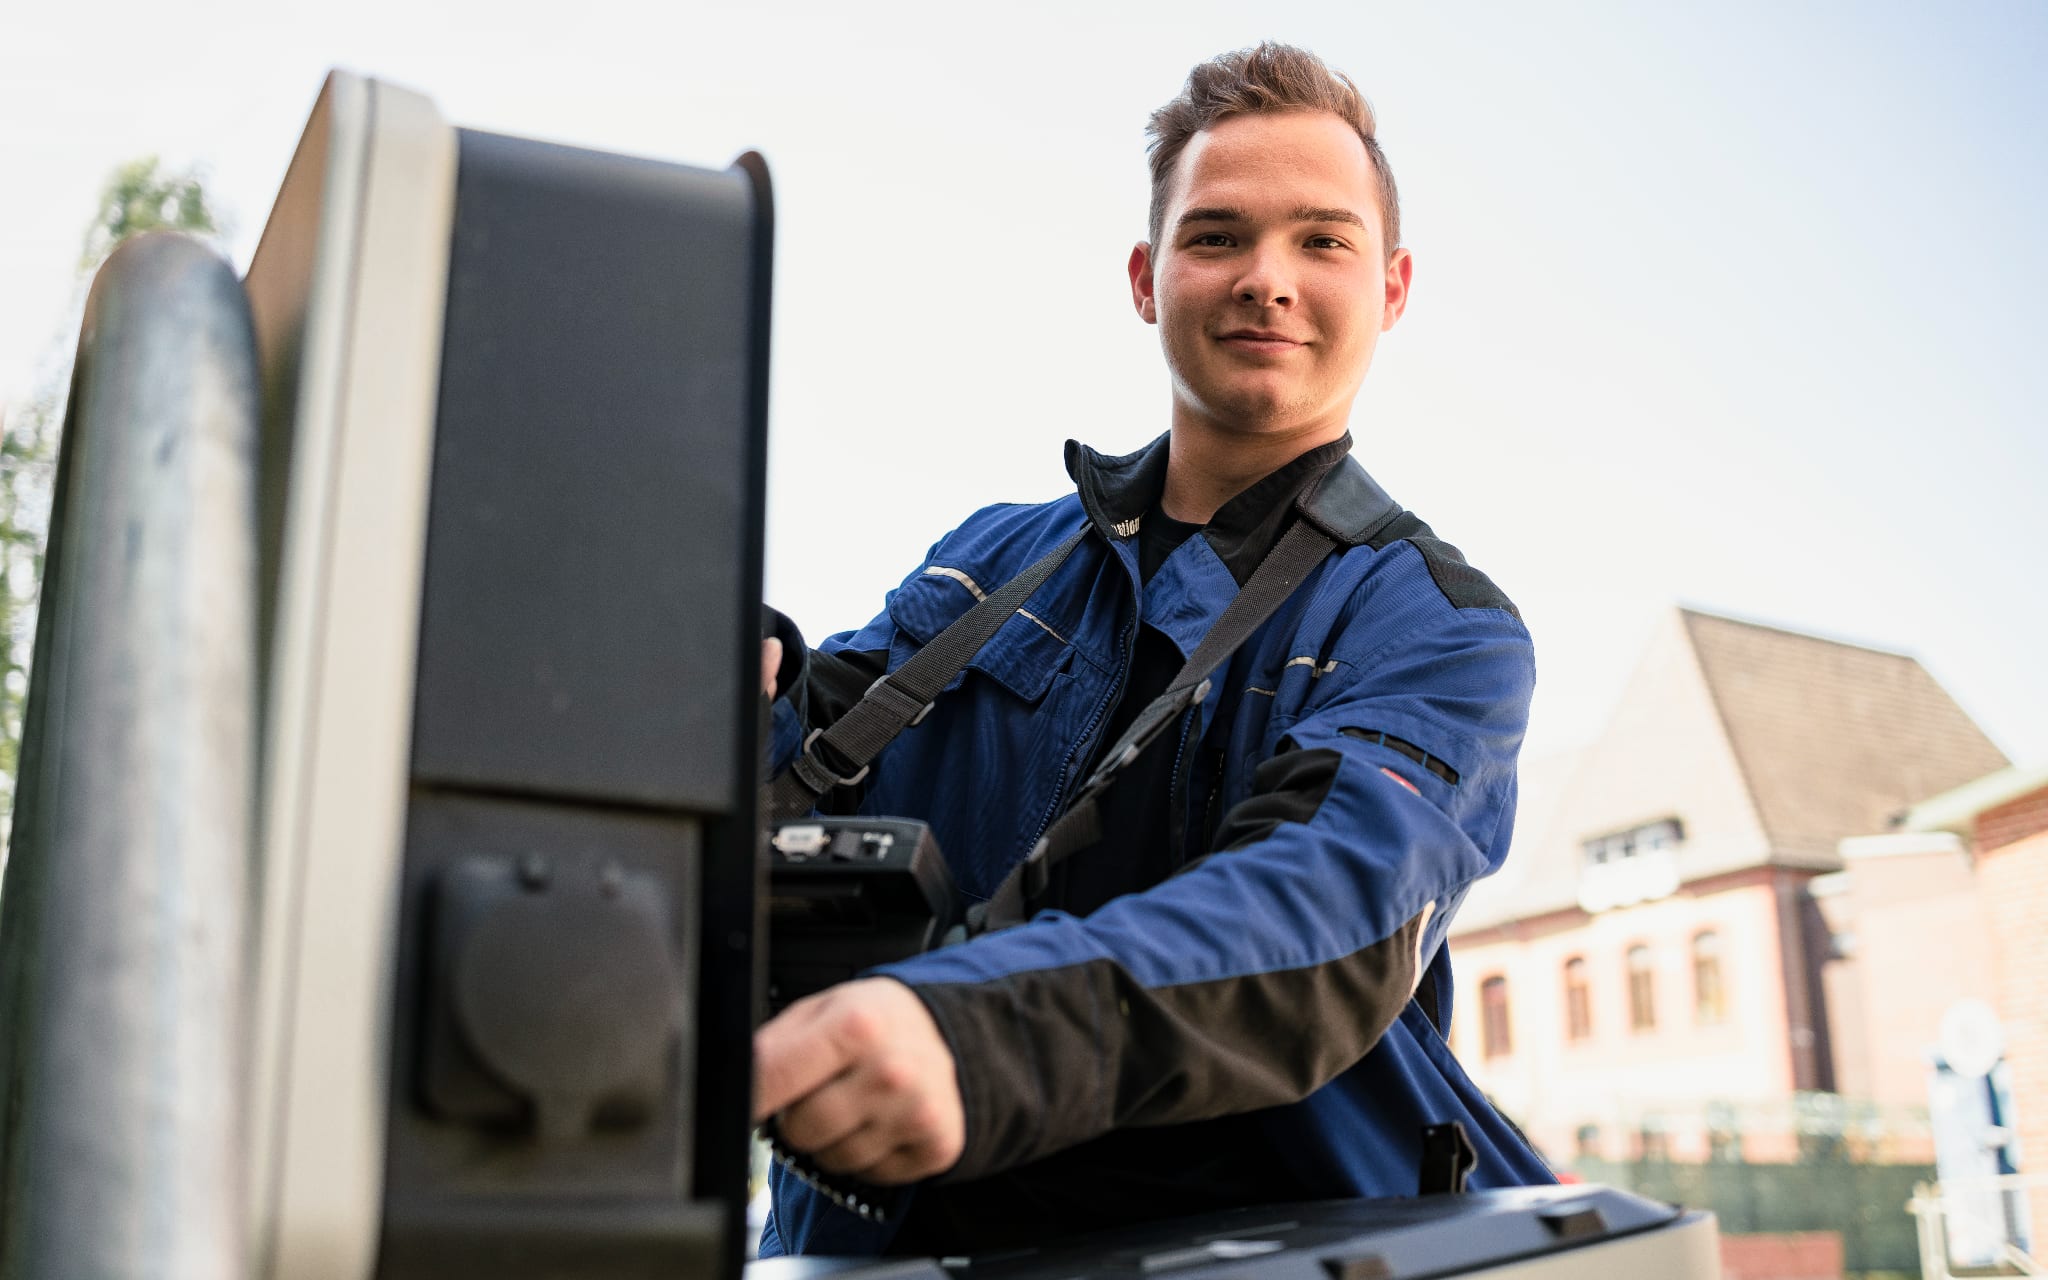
(1312, 213)
(1212, 213)
(1303, 213)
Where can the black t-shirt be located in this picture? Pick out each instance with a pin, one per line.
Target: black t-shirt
(1159, 536)
(1133, 853)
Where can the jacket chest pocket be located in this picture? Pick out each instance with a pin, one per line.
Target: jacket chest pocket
(986, 763)
(1023, 656)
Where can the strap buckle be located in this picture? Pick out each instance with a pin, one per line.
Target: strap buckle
(1037, 870)
(1163, 715)
(817, 765)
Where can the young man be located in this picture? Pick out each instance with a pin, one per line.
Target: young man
(1242, 996)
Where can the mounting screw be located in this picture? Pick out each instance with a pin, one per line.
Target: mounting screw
(534, 872)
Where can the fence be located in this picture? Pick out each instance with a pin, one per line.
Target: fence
(1864, 1203)
(1972, 1224)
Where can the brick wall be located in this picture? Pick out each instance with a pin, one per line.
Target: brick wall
(1889, 994)
(1799, 1255)
(2013, 821)
(2012, 865)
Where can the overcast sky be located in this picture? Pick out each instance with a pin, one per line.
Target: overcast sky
(1740, 306)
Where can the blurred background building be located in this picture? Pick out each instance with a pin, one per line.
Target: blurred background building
(1739, 931)
(2001, 823)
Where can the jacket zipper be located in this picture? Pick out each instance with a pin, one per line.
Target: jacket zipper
(1177, 794)
(1126, 650)
(1210, 818)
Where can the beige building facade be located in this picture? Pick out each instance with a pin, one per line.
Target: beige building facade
(1651, 973)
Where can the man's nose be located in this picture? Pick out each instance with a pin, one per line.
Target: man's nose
(1266, 281)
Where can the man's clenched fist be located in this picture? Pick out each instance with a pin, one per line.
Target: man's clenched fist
(859, 1076)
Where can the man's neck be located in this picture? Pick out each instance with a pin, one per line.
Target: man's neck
(1207, 467)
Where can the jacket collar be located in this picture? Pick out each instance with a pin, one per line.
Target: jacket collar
(1326, 485)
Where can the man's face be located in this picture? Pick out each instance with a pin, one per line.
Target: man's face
(1270, 283)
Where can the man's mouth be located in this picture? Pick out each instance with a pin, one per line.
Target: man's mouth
(1263, 341)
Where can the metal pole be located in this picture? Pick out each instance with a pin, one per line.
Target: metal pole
(124, 922)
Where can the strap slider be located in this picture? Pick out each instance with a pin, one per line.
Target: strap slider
(915, 720)
(832, 779)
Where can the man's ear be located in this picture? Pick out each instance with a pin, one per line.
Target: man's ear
(1400, 273)
(1140, 268)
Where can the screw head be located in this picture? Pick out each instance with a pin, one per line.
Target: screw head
(534, 872)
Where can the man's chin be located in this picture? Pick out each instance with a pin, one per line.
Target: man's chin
(1263, 416)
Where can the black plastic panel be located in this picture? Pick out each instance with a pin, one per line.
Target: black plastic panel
(590, 477)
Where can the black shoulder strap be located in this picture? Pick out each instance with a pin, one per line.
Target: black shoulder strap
(1299, 551)
(901, 698)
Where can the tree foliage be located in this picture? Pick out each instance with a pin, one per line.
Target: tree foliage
(139, 196)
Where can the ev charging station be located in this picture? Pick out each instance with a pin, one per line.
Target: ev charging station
(386, 875)
(463, 497)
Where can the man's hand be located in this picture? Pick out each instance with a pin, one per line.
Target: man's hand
(771, 662)
(859, 1076)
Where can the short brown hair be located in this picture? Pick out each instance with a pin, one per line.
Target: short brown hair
(1266, 78)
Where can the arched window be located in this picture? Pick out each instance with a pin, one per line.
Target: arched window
(1642, 990)
(1710, 998)
(1578, 1000)
(1493, 1005)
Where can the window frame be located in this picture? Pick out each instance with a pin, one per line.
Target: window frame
(1704, 962)
(1642, 1004)
(1495, 1041)
(1578, 999)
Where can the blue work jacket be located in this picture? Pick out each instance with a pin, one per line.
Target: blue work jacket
(1274, 1007)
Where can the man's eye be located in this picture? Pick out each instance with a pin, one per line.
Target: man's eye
(1211, 240)
(1325, 242)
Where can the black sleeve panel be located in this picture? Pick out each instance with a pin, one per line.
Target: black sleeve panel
(1041, 1042)
(822, 686)
(1288, 788)
(1464, 586)
(833, 682)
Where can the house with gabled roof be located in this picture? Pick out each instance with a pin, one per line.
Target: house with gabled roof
(1647, 975)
